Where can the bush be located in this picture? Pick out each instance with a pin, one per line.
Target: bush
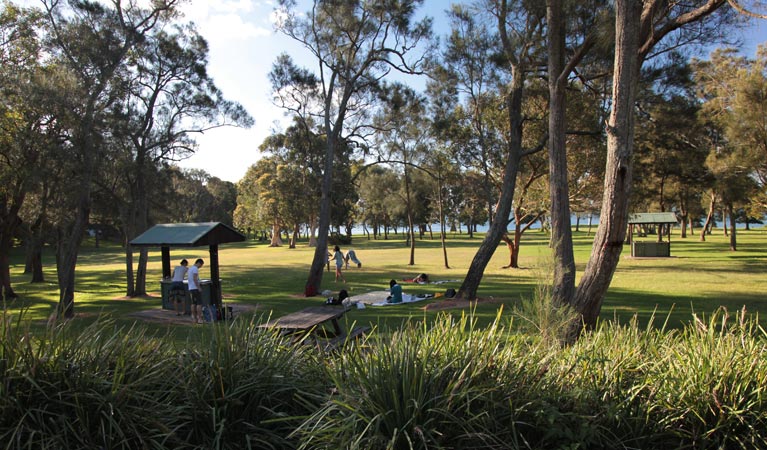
(447, 386)
(107, 387)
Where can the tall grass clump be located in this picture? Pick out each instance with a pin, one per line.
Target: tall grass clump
(89, 388)
(538, 315)
(707, 390)
(246, 387)
(420, 388)
(119, 388)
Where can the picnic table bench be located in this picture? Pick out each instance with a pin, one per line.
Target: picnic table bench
(308, 323)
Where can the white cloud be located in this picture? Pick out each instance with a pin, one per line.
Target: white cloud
(226, 27)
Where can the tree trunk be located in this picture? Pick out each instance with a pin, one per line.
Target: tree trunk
(294, 237)
(733, 240)
(9, 224)
(276, 240)
(141, 271)
(563, 288)
(7, 293)
(409, 207)
(608, 242)
(314, 281)
(442, 234)
(71, 236)
(468, 289)
(513, 246)
(130, 288)
(312, 232)
(709, 216)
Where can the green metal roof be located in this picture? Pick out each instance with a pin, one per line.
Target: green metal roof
(187, 235)
(650, 218)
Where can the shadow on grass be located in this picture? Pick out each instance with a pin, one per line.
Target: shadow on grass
(675, 310)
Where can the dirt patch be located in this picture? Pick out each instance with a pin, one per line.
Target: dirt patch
(168, 316)
(442, 305)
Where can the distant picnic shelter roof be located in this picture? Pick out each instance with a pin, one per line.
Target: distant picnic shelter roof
(187, 235)
(651, 218)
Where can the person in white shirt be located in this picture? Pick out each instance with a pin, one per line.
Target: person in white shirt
(177, 289)
(193, 278)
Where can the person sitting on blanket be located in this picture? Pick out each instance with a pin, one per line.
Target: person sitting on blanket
(422, 278)
(396, 292)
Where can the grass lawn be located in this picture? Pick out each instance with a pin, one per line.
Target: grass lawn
(699, 277)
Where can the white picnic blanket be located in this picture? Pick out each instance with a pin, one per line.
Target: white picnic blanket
(378, 298)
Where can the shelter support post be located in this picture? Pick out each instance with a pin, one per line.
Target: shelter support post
(165, 262)
(215, 277)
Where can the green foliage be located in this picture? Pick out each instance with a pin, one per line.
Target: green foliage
(451, 384)
(110, 387)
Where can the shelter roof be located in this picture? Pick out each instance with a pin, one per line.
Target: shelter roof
(187, 235)
(650, 218)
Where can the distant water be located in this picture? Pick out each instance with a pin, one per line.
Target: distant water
(583, 226)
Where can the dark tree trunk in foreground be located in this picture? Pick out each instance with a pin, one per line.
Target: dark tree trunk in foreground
(608, 241)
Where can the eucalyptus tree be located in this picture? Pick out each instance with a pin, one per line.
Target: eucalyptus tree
(93, 41)
(573, 30)
(520, 29)
(355, 43)
(169, 97)
(733, 89)
(302, 148)
(376, 185)
(464, 85)
(404, 137)
(643, 29)
(22, 125)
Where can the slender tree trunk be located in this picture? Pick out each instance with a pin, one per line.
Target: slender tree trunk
(71, 235)
(513, 246)
(468, 289)
(442, 234)
(141, 271)
(608, 242)
(130, 288)
(409, 207)
(563, 288)
(709, 216)
(733, 239)
(294, 237)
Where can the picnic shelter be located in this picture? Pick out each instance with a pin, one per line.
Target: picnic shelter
(655, 248)
(211, 234)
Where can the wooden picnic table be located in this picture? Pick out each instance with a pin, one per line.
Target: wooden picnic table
(308, 320)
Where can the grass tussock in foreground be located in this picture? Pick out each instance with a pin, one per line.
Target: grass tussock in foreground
(448, 385)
